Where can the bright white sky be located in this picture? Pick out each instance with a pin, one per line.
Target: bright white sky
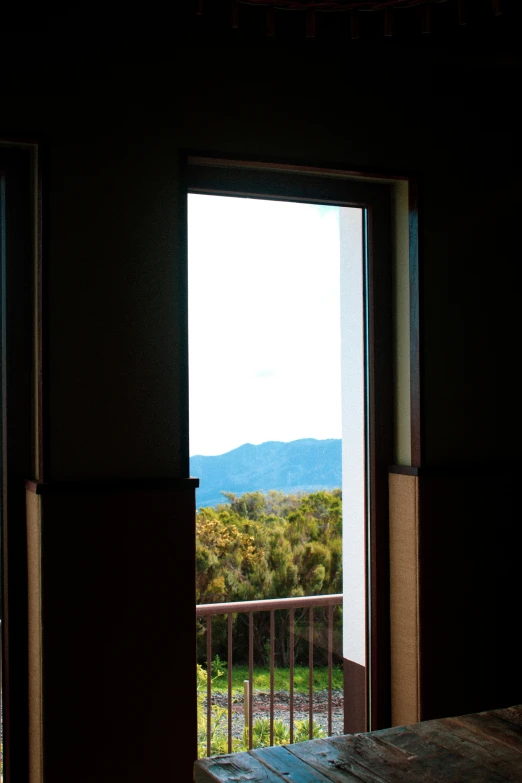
(264, 322)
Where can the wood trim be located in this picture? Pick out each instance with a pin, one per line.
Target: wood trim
(35, 669)
(415, 316)
(42, 315)
(183, 307)
(458, 471)
(354, 693)
(19, 382)
(39, 331)
(281, 185)
(13, 141)
(404, 470)
(380, 442)
(122, 485)
(209, 160)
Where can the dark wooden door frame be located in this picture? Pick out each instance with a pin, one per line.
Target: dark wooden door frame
(214, 174)
(20, 358)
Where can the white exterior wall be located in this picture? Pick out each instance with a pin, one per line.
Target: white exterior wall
(353, 417)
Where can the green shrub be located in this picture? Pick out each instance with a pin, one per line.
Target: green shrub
(218, 722)
(261, 733)
(260, 727)
(302, 731)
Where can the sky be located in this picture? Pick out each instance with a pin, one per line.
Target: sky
(264, 322)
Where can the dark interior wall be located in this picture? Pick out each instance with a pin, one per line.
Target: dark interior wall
(115, 124)
(469, 540)
(114, 115)
(115, 127)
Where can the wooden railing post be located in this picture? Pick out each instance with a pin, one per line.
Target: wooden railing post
(246, 702)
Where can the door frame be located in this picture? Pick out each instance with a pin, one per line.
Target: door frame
(20, 424)
(367, 689)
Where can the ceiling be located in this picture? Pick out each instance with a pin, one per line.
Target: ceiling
(355, 19)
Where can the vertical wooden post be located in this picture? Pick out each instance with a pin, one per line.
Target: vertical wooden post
(246, 701)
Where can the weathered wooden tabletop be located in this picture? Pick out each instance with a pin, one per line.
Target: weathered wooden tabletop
(484, 747)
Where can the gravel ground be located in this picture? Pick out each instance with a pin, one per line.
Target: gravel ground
(261, 708)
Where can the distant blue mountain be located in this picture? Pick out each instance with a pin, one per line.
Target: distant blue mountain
(304, 465)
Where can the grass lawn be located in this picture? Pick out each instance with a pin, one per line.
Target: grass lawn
(281, 679)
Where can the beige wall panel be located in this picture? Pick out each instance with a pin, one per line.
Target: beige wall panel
(33, 506)
(404, 598)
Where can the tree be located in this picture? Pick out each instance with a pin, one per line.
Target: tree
(267, 545)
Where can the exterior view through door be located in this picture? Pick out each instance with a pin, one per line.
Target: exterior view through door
(278, 438)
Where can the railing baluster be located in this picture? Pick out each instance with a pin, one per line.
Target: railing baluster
(250, 677)
(292, 618)
(311, 673)
(330, 653)
(209, 683)
(272, 615)
(229, 666)
(271, 605)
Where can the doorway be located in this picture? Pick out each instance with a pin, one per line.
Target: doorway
(366, 626)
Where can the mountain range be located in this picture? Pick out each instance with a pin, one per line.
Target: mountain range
(304, 465)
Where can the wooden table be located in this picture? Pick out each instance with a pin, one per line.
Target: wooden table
(485, 747)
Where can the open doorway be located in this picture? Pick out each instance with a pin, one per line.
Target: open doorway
(383, 203)
(278, 430)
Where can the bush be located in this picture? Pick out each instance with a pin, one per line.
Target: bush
(268, 545)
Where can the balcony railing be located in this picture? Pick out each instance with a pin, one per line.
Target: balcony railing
(271, 606)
